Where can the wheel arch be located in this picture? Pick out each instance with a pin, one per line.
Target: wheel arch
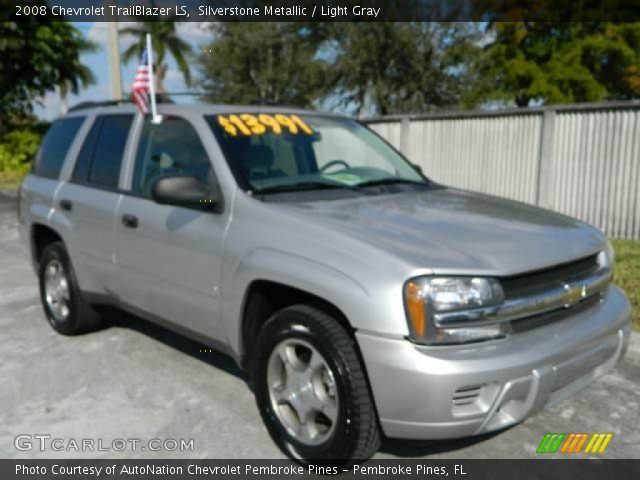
(267, 278)
(265, 297)
(42, 235)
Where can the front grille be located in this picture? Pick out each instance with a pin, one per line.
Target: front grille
(529, 323)
(539, 281)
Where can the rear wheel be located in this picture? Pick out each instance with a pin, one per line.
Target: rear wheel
(311, 389)
(67, 312)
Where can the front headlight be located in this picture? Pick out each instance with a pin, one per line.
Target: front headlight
(425, 297)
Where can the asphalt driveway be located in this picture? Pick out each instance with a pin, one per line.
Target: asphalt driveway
(136, 380)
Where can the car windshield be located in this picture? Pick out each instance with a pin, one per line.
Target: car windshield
(284, 152)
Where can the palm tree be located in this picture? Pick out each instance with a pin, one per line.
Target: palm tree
(164, 39)
(83, 78)
(73, 74)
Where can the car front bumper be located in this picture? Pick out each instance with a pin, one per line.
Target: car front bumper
(426, 392)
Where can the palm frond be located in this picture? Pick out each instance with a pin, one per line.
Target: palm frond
(134, 51)
(183, 65)
(165, 40)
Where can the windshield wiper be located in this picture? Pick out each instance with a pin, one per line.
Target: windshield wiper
(301, 186)
(391, 181)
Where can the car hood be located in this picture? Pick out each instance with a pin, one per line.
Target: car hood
(453, 231)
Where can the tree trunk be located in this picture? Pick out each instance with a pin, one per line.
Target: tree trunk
(64, 102)
(161, 72)
(161, 94)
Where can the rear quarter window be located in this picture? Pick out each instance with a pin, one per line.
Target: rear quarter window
(55, 146)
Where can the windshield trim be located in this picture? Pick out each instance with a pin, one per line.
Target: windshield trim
(301, 186)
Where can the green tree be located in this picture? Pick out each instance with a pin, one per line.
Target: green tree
(554, 62)
(164, 39)
(403, 67)
(36, 55)
(263, 63)
(375, 67)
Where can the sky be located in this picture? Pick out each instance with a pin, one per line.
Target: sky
(196, 34)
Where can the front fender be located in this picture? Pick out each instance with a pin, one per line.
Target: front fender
(354, 299)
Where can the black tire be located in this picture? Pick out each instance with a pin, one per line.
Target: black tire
(356, 435)
(82, 317)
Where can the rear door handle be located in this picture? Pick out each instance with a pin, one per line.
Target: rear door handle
(66, 204)
(130, 221)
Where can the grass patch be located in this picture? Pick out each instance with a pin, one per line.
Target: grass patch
(10, 180)
(627, 273)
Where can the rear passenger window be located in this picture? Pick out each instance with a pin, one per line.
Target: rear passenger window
(55, 146)
(83, 161)
(100, 158)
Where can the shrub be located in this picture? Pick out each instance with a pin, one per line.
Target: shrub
(17, 148)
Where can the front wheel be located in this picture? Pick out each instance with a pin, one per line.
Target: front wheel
(311, 388)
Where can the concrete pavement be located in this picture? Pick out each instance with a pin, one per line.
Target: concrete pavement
(134, 380)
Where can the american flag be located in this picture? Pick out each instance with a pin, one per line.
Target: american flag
(140, 88)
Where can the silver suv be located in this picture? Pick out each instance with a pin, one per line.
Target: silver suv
(363, 298)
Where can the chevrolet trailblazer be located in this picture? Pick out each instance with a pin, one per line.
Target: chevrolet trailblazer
(364, 299)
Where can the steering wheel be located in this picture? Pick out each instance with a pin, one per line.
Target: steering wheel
(332, 163)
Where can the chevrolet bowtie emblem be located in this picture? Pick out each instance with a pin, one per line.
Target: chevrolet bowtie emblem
(574, 294)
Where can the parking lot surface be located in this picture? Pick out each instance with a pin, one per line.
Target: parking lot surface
(134, 380)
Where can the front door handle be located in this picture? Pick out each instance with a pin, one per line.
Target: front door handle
(130, 221)
(66, 204)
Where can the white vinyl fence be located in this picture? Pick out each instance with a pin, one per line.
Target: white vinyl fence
(581, 160)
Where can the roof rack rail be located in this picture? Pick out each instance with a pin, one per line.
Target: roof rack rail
(92, 104)
(161, 98)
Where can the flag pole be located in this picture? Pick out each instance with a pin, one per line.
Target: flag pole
(155, 118)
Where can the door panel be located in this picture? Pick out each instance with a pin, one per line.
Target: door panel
(169, 265)
(169, 258)
(89, 217)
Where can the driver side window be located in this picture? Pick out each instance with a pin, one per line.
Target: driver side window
(172, 147)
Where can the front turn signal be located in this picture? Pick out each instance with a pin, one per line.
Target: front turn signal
(415, 304)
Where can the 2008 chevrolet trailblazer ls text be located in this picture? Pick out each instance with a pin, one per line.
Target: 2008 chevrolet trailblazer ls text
(363, 298)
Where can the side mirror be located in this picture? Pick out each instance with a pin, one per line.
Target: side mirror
(417, 168)
(185, 191)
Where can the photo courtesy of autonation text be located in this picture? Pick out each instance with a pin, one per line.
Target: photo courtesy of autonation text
(278, 239)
